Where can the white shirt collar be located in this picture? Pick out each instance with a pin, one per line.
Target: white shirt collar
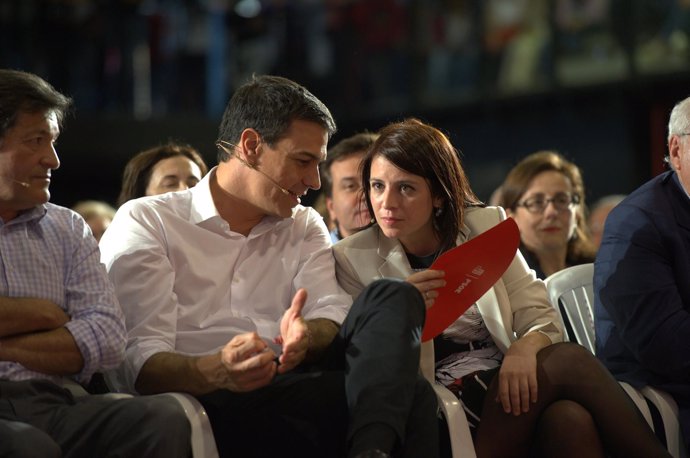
(203, 208)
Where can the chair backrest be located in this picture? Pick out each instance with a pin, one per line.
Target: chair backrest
(572, 294)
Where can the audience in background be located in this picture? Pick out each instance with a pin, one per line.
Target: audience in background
(97, 215)
(342, 186)
(59, 318)
(526, 394)
(642, 292)
(164, 168)
(597, 216)
(320, 206)
(229, 293)
(495, 197)
(545, 195)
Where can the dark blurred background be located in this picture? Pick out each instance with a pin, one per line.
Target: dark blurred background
(594, 79)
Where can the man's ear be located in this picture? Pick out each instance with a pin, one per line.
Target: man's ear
(249, 142)
(331, 209)
(674, 152)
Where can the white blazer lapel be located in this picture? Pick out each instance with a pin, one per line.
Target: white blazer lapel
(394, 261)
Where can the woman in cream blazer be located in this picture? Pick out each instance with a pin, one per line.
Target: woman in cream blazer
(528, 393)
(515, 305)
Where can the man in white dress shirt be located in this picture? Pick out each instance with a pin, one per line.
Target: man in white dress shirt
(229, 293)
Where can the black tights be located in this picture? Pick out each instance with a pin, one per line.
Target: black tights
(581, 411)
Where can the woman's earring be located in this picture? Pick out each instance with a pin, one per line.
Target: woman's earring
(438, 212)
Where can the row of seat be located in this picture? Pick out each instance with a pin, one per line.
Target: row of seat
(573, 289)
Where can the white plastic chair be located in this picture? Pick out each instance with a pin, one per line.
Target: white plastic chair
(203, 441)
(573, 289)
(461, 444)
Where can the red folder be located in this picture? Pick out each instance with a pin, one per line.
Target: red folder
(471, 269)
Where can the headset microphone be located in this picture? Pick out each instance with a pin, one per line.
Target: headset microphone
(22, 183)
(275, 183)
(285, 191)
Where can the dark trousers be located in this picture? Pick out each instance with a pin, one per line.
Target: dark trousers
(41, 419)
(368, 375)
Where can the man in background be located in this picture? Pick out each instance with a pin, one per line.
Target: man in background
(342, 185)
(598, 213)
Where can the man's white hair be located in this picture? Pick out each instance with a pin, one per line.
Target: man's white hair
(678, 123)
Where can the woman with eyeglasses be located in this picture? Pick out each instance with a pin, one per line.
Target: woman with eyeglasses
(525, 392)
(544, 193)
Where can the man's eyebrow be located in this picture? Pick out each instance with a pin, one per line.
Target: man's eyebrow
(42, 131)
(314, 156)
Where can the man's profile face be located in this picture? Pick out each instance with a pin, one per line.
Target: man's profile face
(293, 163)
(27, 158)
(346, 205)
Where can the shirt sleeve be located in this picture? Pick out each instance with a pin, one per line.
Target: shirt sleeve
(316, 273)
(96, 323)
(133, 251)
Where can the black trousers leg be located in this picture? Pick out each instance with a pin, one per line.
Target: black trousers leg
(379, 346)
(298, 415)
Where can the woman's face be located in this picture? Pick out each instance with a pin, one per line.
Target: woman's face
(551, 229)
(403, 206)
(175, 173)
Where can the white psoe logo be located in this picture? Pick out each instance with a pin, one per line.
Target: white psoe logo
(476, 273)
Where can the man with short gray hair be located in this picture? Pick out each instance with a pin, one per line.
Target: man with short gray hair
(641, 279)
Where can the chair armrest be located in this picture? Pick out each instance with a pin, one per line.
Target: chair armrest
(668, 409)
(203, 442)
(639, 401)
(458, 429)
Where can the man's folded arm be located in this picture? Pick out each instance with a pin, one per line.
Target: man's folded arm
(51, 352)
(19, 315)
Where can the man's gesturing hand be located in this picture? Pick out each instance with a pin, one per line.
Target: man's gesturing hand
(294, 334)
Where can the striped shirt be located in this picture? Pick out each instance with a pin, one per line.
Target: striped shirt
(49, 253)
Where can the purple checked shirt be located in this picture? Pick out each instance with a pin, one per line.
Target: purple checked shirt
(49, 253)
